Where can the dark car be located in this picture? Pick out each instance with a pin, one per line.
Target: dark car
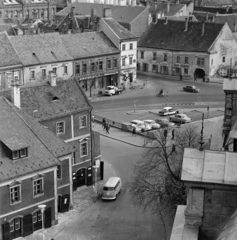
(191, 89)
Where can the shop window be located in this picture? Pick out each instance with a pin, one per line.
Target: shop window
(177, 70)
(186, 71)
(154, 68)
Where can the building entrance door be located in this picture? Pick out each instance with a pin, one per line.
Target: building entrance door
(81, 177)
(15, 228)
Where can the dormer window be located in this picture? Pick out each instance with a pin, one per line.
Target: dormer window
(19, 153)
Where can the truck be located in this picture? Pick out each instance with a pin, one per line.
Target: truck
(112, 90)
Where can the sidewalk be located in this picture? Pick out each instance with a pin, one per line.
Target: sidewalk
(82, 200)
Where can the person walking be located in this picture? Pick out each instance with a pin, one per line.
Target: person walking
(195, 78)
(173, 134)
(165, 133)
(107, 128)
(180, 77)
(103, 123)
(134, 132)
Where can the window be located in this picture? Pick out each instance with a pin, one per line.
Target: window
(165, 57)
(123, 47)
(223, 59)
(15, 194)
(154, 68)
(77, 69)
(108, 63)
(82, 122)
(100, 65)
(186, 60)
(130, 60)
(60, 128)
(59, 172)
(92, 67)
(123, 61)
(65, 69)
(84, 68)
(178, 59)
(32, 75)
(177, 70)
(154, 56)
(200, 61)
(142, 54)
(84, 149)
(186, 71)
(55, 70)
(115, 62)
(38, 187)
(16, 75)
(43, 73)
(20, 153)
(130, 46)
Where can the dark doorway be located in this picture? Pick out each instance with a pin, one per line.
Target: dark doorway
(199, 73)
(131, 77)
(80, 178)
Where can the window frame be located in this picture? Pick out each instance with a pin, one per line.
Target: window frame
(201, 62)
(92, 66)
(84, 68)
(186, 60)
(77, 69)
(32, 74)
(142, 54)
(131, 46)
(123, 61)
(165, 59)
(65, 70)
(86, 144)
(43, 73)
(108, 64)
(41, 179)
(223, 59)
(19, 192)
(59, 172)
(178, 59)
(115, 63)
(130, 60)
(82, 126)
(19, 155)
(154, 57)
(123, 47)
(60, 133)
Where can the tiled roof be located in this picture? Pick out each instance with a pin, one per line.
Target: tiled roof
(182, 18)
(43, 145)
(209, 166)
(120, 13)
(207, 3)
(8, 55)
(171, 36)
(88, 44)
(229, 18)
(8, 28)
(40, 48)
(37, 100)
(212, 9)
(162, 7)
(118, 29)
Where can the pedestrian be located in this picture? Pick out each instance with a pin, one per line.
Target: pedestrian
(165, 133)
(172, 134)
(134, 132)
(181, 77)
(103, 123)
(107, 128)
(93, 120)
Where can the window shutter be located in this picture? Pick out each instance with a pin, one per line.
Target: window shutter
(27, 225)
(47, 218)
(6, 231)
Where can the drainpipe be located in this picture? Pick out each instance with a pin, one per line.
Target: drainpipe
(91, 138)
(48, 10)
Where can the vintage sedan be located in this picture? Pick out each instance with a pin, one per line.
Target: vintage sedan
(180, 118)
(191, 89)
(152, 123)
(140, 125)
(168, 111)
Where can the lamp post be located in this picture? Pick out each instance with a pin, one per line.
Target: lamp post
(42, 208)
(96, 167)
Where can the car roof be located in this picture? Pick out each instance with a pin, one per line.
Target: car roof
(167, 108)
(110, 86)
(137, 121)
(112, 181)
(148, 120)
(181, 114)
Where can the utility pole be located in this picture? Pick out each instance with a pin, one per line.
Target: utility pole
(201, 140)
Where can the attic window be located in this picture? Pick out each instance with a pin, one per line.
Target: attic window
(19, 153)
(33, 53)
(53, 97)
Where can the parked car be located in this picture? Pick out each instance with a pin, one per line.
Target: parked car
(163, 122)
(168, 111)
(140, 125)
(152, 123)
(180, 118)
(112, 90)
(191, 89)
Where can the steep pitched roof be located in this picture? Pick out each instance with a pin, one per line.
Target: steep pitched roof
(118, 29)
(120, 13)
(207, 3)
(220, 10)
(43, 146)
(88, 44)
(162, 7)
(8, 55)
(171, 36)
(39, 100)
(229, 18)
(40, 48)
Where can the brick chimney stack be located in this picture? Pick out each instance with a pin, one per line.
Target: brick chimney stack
(15, 93)
(186, 24)
(203, 28)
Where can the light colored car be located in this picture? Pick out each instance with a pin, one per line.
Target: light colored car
(180, 118)
(164, 122)
(152, 123)
(168, 111)
(140, 125)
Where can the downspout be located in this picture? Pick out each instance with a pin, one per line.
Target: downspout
(92, 163)
(48, 10)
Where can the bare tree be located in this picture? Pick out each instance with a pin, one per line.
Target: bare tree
(91, 83)
(156, 184)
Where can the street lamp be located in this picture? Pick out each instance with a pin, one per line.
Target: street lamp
(96, 167)
(42, 208)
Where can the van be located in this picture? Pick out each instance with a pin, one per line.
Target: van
(112, 188)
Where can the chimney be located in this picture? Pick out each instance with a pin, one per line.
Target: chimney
(203, 28)
(213, 18)
(52, 79)
(166, 20)
(186, 24)
(15, 94)
(207, 17)
(168, 7)
(72, 17)
(155, 6)
(107, 12)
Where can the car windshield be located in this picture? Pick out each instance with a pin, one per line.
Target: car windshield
(109, 88)
(108, 188)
